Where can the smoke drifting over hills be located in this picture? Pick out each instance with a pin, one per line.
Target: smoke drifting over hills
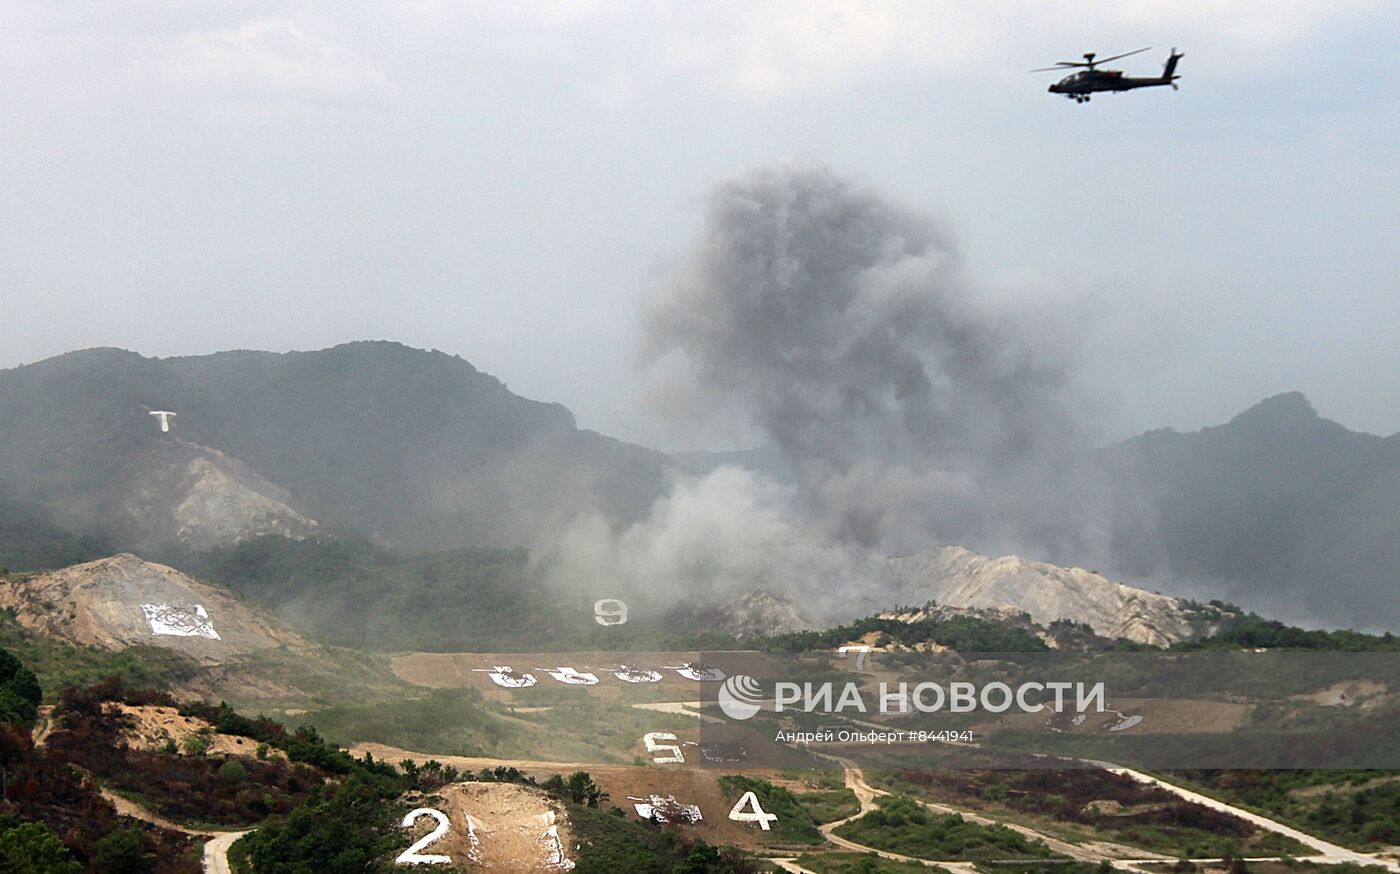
(840, 325)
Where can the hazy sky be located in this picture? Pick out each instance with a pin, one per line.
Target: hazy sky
(505, 181)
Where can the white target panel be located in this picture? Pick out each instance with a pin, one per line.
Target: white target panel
(179, 620)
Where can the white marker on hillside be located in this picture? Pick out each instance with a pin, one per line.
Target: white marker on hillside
(165, 416)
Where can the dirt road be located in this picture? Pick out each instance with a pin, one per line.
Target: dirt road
(216, 852)
(1327, 852)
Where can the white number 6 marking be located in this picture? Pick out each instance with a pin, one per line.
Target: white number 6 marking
(411, 856)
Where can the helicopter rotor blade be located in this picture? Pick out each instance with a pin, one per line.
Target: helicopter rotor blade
(1124, 55)
(1060, 65)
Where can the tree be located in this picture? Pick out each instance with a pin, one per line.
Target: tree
(19, 691)
(232, 772)
(122, 852)
(30, 848)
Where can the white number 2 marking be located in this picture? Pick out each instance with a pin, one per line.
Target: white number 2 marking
(411, 856)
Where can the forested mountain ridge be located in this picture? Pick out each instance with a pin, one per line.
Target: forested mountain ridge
(1279, 509)
(412, 448)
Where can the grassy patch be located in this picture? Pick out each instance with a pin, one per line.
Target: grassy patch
(60, 665)
(460, 722)
(610, 843)
(901, 825)
(829, 805)
(861, 863)
(795, 824)
(448, 721)
(1352, 807)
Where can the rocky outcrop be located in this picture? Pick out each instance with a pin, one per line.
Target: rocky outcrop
(199, 497)
(761, 612)
(122, 601)
(958, 577)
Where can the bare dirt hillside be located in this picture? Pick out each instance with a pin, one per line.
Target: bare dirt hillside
(500, 826)
(200, 497)
(121, 601)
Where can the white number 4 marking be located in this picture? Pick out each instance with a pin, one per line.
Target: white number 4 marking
(411, 856)
(756, 812)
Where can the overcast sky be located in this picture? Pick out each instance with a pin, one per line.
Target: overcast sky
(505, 181)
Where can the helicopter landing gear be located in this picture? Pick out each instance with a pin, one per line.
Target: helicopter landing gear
(1084, 99)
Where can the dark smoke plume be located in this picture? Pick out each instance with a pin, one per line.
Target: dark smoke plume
(840, 325)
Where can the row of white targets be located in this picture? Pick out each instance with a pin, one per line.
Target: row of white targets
(1122, 722)
(507, 677)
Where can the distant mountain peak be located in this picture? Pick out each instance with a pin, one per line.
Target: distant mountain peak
(1289, 408)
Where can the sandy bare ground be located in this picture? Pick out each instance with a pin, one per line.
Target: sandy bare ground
(502, 826)
(1347, 694)
(43, 724)
(154, 726)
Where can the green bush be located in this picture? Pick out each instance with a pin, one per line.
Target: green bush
(231, 771)
(197, 744)
(30, 848)
(122, 852)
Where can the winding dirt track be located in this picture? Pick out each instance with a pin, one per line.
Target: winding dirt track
(215, 849)
(1327, 852)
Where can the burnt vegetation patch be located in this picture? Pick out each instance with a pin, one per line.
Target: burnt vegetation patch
(1111, 805)
(180, 783)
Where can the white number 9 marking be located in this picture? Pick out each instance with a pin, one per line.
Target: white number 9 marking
(609, 611)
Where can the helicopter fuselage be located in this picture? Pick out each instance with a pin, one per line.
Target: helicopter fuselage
(1092, 81)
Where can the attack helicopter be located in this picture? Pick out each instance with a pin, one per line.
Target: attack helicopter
(1078, 86)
